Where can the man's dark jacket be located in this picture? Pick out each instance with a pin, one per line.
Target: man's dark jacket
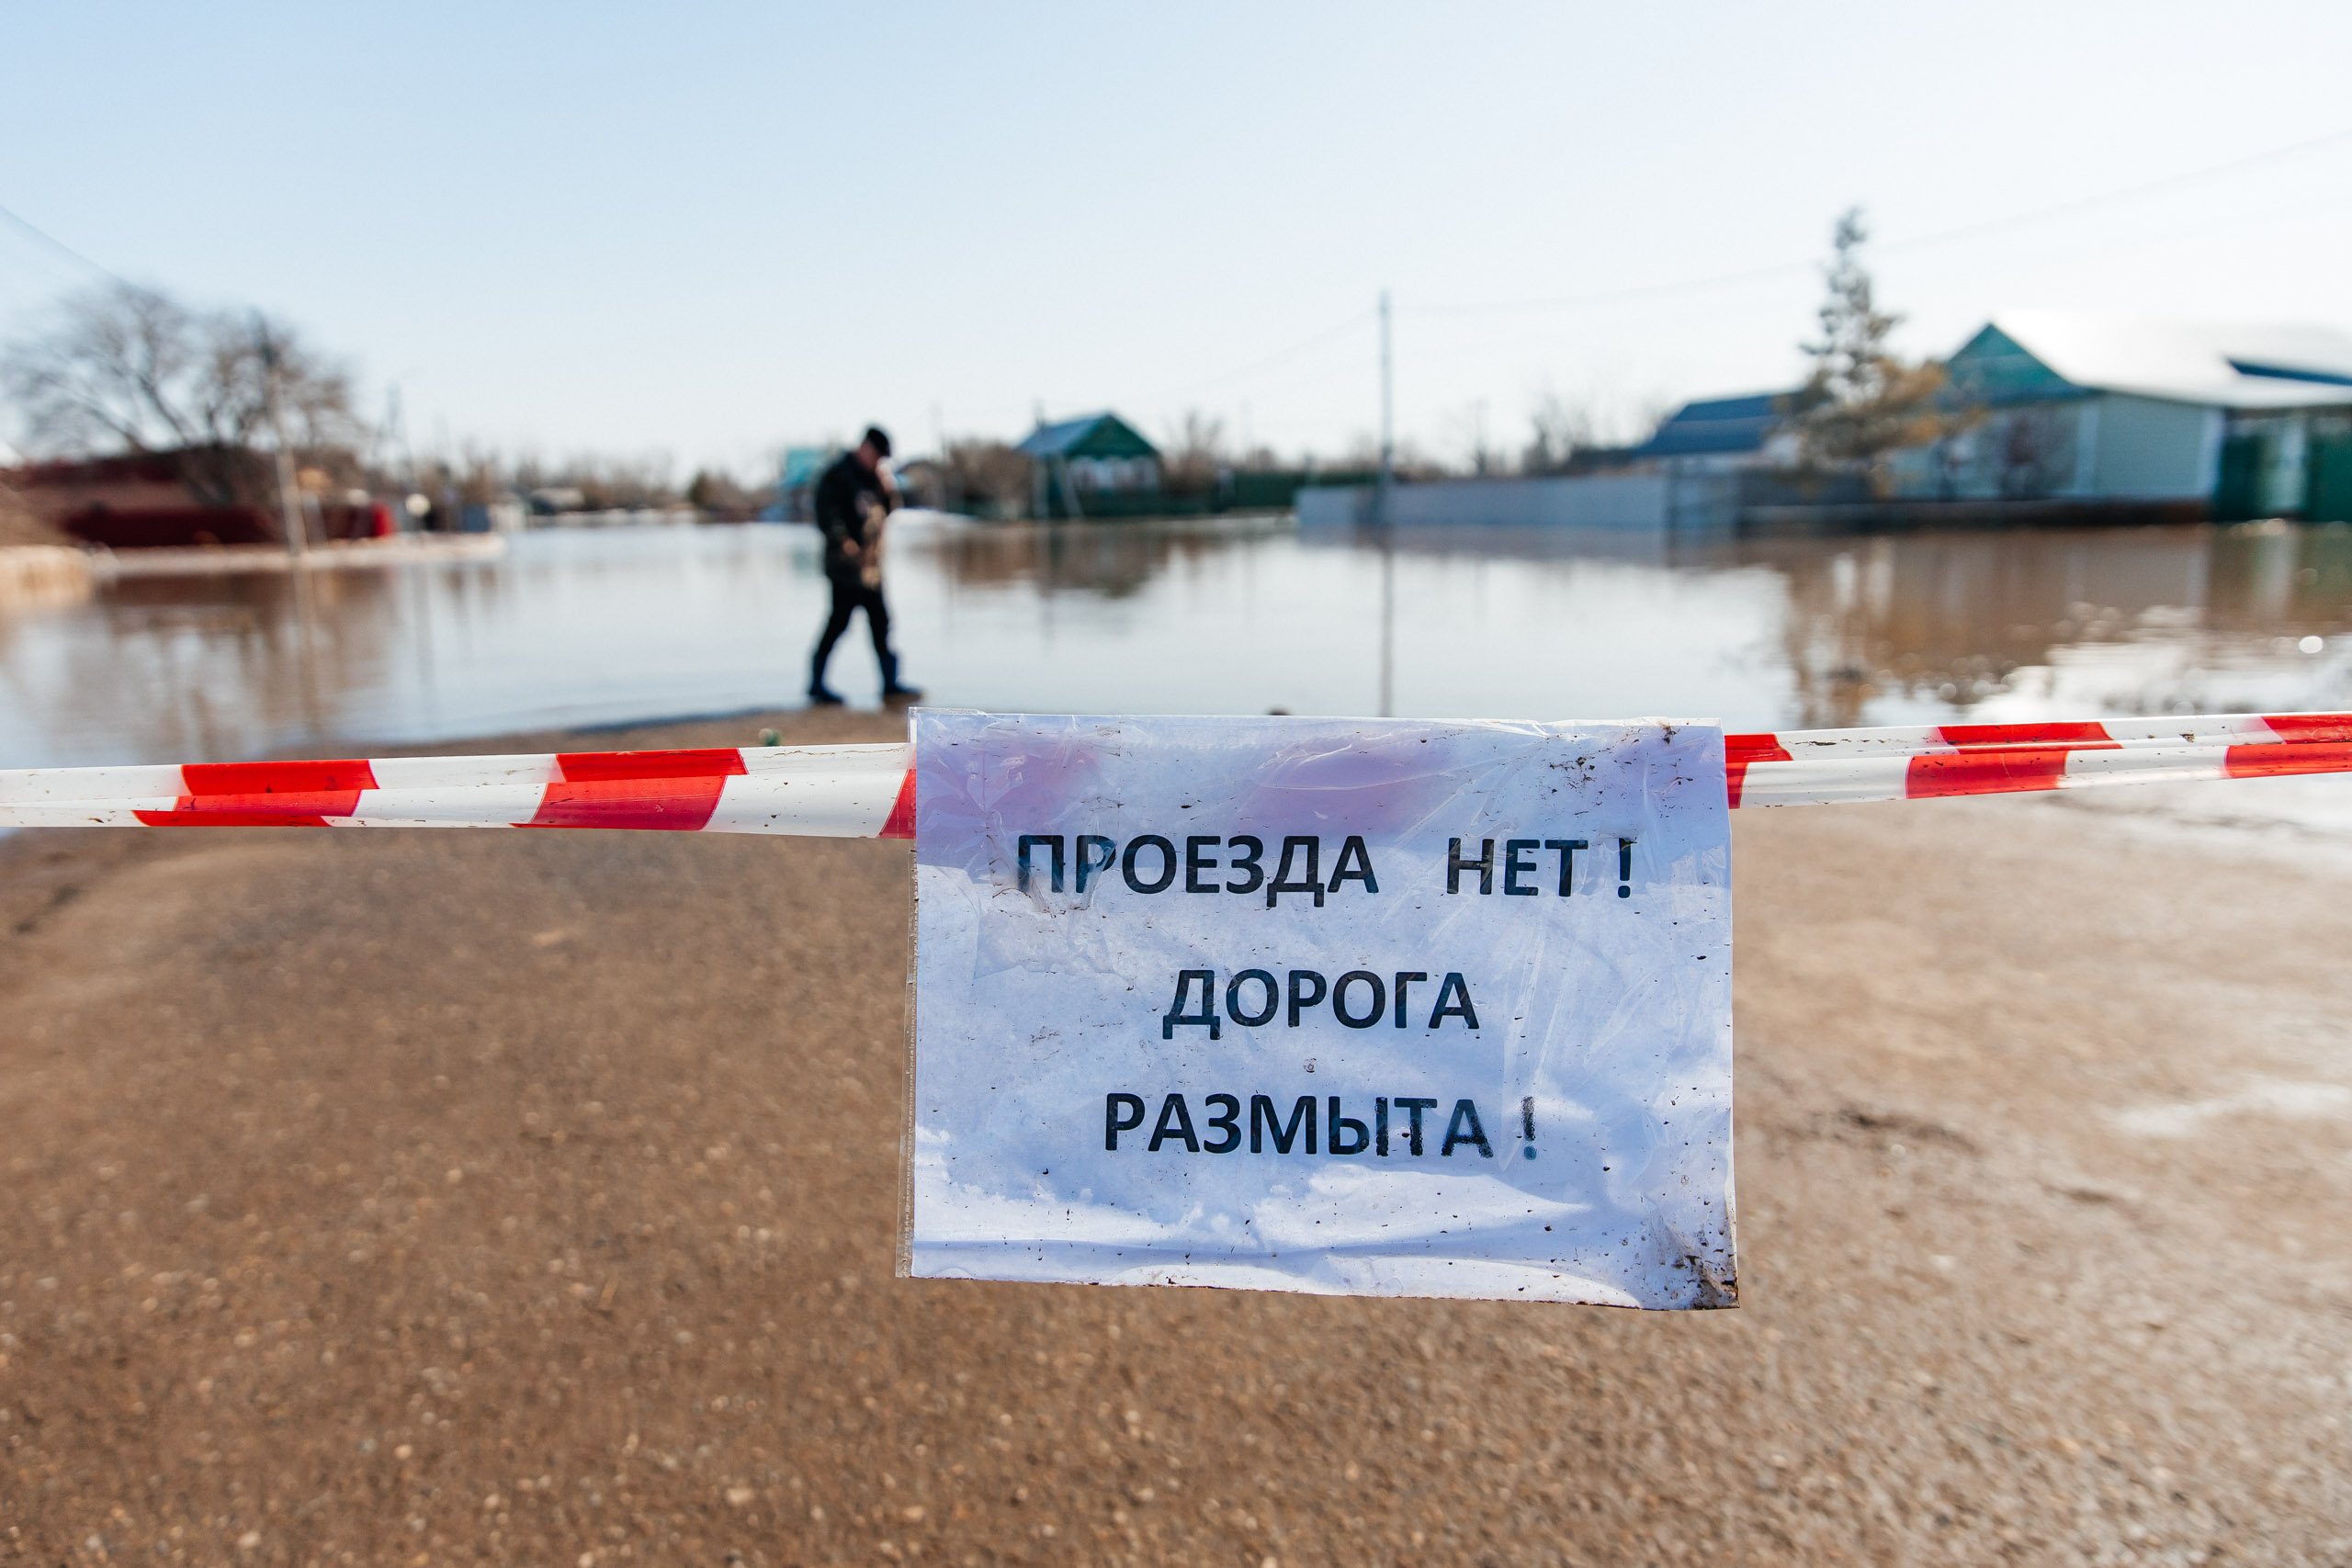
(839, 490)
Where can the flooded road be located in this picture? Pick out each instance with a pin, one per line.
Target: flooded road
(580, 628)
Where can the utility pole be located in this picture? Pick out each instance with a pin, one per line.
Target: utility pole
(290, 506)
(1388, 411)
(1387, 520)
(396, 441)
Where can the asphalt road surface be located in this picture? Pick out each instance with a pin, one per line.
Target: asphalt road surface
(450, 1198)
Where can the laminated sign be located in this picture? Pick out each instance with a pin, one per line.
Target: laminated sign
(1352, 1007)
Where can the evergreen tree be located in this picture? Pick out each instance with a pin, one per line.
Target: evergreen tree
(1863, 400)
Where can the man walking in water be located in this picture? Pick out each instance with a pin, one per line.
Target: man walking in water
(852, 501)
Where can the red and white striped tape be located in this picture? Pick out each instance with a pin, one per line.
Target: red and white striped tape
(841, 792)
(863, 791)
(1823, 766)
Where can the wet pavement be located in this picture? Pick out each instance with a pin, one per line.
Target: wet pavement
(469, 1198)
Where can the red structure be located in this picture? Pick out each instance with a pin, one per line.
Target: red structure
(194, 496)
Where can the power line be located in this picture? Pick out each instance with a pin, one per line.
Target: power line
(2084, 204)
(1917, 241)
(1613, 296)
(1302, 346)
(1787, 268)
(60, 247)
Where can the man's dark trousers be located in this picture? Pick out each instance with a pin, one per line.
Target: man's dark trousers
(850, 595)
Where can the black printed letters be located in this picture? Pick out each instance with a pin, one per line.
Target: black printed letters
(1292, 1129)
(1150, 862)
(1359, 999)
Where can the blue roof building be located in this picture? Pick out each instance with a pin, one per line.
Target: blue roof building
(1717, 427)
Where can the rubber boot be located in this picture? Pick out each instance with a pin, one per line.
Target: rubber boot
(819, 695)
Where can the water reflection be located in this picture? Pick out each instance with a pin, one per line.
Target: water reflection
(580, 628)
(1112, 560)
(2140, 620)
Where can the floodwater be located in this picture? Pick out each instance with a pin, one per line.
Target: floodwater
(580, 628)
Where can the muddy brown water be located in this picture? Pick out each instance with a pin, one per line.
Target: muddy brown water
(453, 1198)
(583, 628)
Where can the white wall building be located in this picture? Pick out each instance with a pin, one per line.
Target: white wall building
(2077, 407)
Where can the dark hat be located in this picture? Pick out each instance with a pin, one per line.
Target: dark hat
(877, 438)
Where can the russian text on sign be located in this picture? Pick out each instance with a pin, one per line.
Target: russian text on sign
(1408, 1052)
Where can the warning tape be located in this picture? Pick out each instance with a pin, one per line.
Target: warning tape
(843, 792)
(864, 792)
(1822, 767)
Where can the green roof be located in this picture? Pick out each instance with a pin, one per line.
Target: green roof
(1095, 435)
(1994, 368)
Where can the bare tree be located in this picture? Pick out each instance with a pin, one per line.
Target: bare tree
(476, 475)
(2034, 453)
(1863, 400)
(1260, 458)
(1194, 452)
(990, 474)
(1557, 430)
(717, 493)
(1362, 456)
(626, 484)
(134, 369)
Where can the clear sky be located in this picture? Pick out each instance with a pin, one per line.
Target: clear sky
(712, 230)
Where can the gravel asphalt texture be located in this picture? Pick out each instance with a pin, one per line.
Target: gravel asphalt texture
(451, 1198)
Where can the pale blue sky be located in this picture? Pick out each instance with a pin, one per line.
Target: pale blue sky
(710, 229)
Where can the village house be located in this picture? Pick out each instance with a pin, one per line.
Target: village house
(1095, 466)
(2230, 422)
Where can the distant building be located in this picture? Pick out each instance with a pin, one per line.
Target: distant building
(2240, 421)
(1100, 459)
(2051, 417)
(1691, 477)
(795, 483)
(1741, 432)
(195, 495)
